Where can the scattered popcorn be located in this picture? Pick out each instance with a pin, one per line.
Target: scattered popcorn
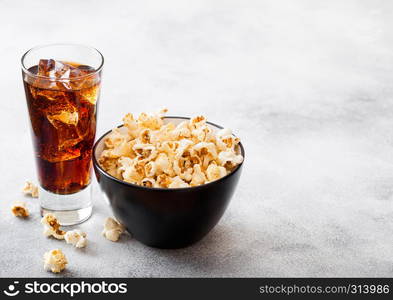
(19, 209)
(55, 261)
(52, 227)
(76, 237)
(30, 189)
(112, 229)
(153, 154)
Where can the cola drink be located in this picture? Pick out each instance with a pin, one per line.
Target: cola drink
(62, 103)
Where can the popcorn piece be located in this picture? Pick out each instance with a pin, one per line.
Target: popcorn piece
(115, 138)
(197, 122)
(153, 121)
(153, 154)
(183, 146)
(183, 169)
(224, 132)
(163, 165)
(144, 151)
(112, 229)
(76, 237)
(124, 148)
(55, 261)
(52, 227)
(151, 169)
(229, 159)
(198, 177)
(203, 133)
(148, 182)
(131, 124)
(177, 182)
(162, 134)
(225, 140)
(111, 166)
(163, 180)
(169, 148)
(204, 148)
(215, 172)
(30, 189)
(19, 209)
(181, 131)
(144, 136)
(131, 171)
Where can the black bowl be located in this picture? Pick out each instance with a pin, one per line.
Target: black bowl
(167, 218)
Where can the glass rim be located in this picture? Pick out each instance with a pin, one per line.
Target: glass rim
(25, 70)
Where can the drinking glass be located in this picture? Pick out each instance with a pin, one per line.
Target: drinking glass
(62, 85)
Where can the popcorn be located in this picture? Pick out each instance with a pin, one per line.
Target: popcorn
(112, 229)
(148, 182)
(55, 261)
(197, 122)
(76, 237)
(203, 133)
(145, 151)
(131, 171)
(214, 172)
(163, 134)
(225, 140)
(19, 209)
(183, 170)
(144, 136)
(131, 124)
(168, 147)
(229, 159)
(198, 177)
(163, 180)
(153, 154)
(181, 131)
(30, 189)
(177, 182)
(151, 168)
(204, 148)
(162, 164)
(117, 137)
(182, 147)
(52, 227)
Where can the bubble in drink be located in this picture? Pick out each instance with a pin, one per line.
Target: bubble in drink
(62, 106)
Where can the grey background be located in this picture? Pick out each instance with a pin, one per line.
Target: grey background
(307, 85)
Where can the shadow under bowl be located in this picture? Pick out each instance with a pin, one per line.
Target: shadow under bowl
(167, 218)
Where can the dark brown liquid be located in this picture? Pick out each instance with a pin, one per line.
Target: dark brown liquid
(63, 121)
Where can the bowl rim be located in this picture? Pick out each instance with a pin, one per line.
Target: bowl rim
(97, 165)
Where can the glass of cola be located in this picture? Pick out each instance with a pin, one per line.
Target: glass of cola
(62, 84)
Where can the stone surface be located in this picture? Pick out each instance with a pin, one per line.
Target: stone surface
(307, 85)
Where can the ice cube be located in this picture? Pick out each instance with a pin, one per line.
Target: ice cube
(89, 95)
(67, 133)
(53, 68)
(58, 73)
(48, 94)
(87, 119)
(53, 154)
(62, 75)
(81, 70)
(66, 117)
(79, 79)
